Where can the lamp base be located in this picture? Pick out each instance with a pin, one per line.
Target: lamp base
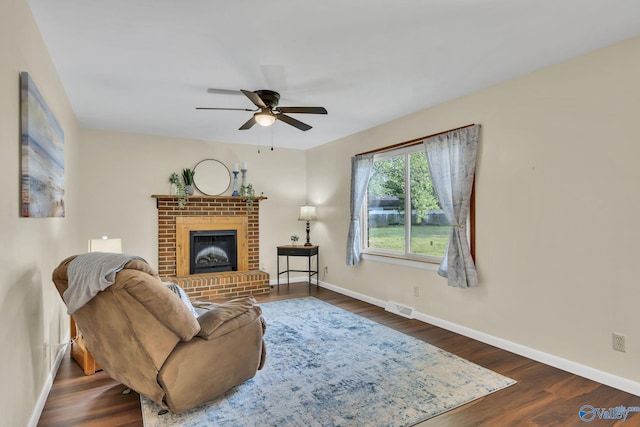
(308, 242)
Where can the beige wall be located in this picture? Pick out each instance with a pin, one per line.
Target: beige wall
(557, 205)
(33, 321)
(121, 171)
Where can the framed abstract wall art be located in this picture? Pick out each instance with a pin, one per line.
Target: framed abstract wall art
(42, 155)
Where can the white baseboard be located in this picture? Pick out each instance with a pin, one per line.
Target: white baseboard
(606, 378)
(46, 388)
(352, 294)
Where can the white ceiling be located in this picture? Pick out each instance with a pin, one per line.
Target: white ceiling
(142, 66)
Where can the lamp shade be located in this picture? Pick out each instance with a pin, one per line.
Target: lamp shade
(264, 119)
(307, 213)
(105, 245)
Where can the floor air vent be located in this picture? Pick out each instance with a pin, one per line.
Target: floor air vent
(399, 309)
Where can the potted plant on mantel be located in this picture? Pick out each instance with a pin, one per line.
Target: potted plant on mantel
(187, 176)
(250, 195)
(181, 190)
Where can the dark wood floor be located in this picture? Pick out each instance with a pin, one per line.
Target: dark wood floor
(543, 396)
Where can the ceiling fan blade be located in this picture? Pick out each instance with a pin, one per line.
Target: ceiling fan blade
(248, 124)
(224, 91)
(231, 109)
(303, 110)
(293, 122)
(254, 98)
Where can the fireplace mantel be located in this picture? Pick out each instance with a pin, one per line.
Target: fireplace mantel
(230, 199)
(210, 286)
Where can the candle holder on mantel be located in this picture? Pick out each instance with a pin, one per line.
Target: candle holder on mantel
(244, 176)
(235, 184)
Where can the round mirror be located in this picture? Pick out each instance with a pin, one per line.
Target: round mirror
(211, 177)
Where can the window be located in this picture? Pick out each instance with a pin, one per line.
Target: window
(403, 217)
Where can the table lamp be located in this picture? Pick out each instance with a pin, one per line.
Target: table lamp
(307, 213)
(105, 245)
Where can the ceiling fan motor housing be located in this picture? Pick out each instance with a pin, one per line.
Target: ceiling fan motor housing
(269, 97)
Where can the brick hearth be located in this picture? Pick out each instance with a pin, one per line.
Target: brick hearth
(211, 286)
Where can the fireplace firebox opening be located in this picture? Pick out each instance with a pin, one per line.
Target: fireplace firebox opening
(212, 251)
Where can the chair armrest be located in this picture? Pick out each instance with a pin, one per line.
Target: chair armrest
(226, 317)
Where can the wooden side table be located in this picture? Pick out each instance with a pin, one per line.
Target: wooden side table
(304, 251)
(79, 351)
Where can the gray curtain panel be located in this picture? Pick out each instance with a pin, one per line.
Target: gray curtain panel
(361, 169)
(452, 163)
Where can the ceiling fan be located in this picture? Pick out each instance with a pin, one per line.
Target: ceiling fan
(268, 111)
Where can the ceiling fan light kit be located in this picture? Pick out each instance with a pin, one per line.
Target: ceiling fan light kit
(264, 118)
(267, 102)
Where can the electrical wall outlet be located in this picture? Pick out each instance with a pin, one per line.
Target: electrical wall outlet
(618, 342)
(416, 291)
(326, 269)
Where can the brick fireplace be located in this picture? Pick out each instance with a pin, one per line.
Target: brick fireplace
(210, 213)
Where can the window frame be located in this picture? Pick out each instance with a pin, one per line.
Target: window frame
(407, 256)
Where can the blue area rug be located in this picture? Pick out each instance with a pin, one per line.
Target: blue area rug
(329, 367)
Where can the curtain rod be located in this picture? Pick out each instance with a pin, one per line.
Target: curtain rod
(411, 142)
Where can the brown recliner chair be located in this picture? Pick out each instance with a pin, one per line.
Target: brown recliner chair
(145, 337)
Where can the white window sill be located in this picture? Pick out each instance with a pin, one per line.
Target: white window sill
(401, 261)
